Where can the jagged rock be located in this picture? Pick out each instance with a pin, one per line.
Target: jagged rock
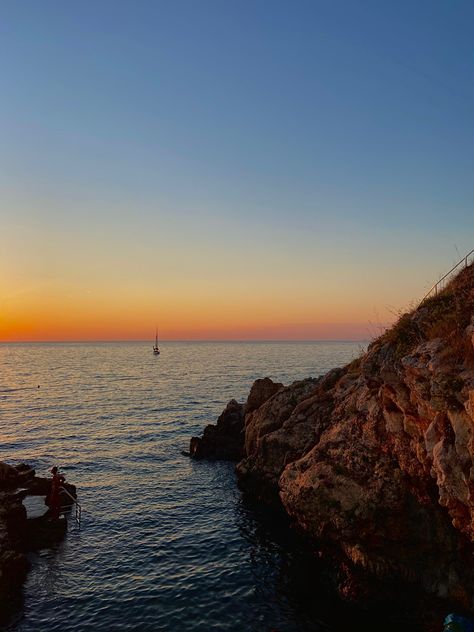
(13, 569)
(225, 439)
(274, 434)
(13, 564)
(260, 392)
(25, 473)
(8, 476)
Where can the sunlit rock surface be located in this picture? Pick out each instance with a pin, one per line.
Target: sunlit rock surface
(375, 460)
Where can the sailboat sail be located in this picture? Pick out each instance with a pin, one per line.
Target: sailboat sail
(156, 349)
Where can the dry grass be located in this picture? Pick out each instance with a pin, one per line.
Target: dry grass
(444, 316)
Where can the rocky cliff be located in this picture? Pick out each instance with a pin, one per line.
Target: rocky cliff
(375, 460)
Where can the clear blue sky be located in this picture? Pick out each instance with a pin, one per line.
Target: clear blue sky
(325, 143)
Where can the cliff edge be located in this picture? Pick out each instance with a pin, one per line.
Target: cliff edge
(375, 460)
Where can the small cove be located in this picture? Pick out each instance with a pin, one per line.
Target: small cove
(167, 543)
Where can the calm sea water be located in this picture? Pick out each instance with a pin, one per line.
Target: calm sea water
(166, 543)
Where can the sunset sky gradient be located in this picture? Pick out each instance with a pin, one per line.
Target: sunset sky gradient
(230, 170)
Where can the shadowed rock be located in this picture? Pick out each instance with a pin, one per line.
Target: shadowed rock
(226, 439)
(223, 440)
(17, 533)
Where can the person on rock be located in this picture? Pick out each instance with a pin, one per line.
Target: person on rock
(54, 501)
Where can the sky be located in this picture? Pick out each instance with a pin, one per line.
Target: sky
(230, 169)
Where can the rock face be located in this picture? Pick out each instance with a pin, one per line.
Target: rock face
(376, 460)
(260, 392)
(280, 431)
(226, 439)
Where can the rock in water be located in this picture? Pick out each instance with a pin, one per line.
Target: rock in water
(279, 431)
(226, 439)
(17, 534)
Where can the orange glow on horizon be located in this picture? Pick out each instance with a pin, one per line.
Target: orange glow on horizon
(87, 282)
(47, 316)
(117, 303)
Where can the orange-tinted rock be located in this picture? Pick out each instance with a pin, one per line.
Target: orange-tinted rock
(260, 392)
(377, 459)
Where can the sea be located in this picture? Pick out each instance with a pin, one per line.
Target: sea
(166, 543)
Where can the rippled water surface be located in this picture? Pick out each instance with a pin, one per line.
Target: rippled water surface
(166, 543)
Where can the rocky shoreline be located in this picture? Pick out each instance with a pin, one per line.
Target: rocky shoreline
(20, 533)
(374, 461)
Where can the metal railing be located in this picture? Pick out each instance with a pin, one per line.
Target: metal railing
(439, 285)
(76, 505)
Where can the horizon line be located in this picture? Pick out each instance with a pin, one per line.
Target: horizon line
(146, 340)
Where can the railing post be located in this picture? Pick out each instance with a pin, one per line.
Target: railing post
(77, 506)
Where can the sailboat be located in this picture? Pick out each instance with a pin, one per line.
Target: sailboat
(156, 349)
